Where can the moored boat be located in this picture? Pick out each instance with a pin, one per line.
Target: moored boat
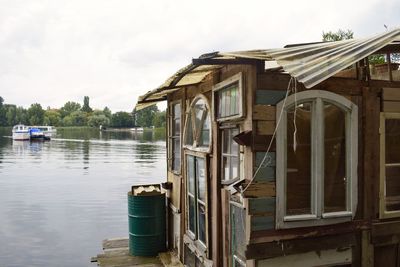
(21, 132)
(48, 131)
(36, 134)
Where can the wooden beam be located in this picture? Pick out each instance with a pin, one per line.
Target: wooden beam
(305, 232)
(371, 119)
(264, 112)
(218, 61)
(289, 247)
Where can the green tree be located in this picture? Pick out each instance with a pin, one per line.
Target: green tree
(79, 118)
(86, 107)
(3, 118)
(159, 119)
(337, 36)
(144, 117)
(11, 115)
(122, 119)
(107, 112)
(69, 107)
(21, 115)
(36, 114)
(52, 117)
(97, 120)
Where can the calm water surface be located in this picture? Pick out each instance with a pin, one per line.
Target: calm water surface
(60, 199)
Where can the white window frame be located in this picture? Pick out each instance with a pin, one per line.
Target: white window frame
(194, 236)
(238, 78)
(229, 155)
(194, 146)
(383, 213)
(172, 137)
(317, 216)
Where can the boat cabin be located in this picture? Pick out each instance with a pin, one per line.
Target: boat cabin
(286, 156)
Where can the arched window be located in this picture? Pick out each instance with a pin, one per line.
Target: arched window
(316, 159)
(198, 126)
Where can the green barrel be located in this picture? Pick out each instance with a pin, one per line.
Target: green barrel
(146, 224)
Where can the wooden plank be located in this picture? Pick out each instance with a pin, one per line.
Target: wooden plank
(391, 94)
(371, 115)
(259, 206)
(270, 159)
(261, 143)
(264, 112)
(385, 228)
(265, 127)
(386, 255)
(367, 250)
(226, 252)
(119, 242)
(276, 81)
(391, 106)
(269, 97)
(289, 247)
(260, 223)
(332, 257)
(260, 190)
(308, 232)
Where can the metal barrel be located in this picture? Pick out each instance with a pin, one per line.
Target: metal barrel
(147, 224)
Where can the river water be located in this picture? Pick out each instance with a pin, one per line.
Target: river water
(60, 199)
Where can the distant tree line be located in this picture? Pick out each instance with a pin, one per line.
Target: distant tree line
(73, 114)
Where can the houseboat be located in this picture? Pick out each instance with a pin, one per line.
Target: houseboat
(294, 163)
(20, 132)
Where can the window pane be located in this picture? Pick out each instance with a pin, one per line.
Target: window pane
(234, 167)
(335, 182)
(228, 104)
(234, 145)
(202, 222)
(298, 188)
(176, 127)
(392, 143)
(392, 158)
(177, 154)
(201, 178)
(177, 111)
(192, 215)
(205, 131)
(238, 231)
(190, 170)
(189, 131)
(226, 169)
(225, 141)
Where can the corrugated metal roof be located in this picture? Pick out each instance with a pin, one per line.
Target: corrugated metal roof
(310, 64)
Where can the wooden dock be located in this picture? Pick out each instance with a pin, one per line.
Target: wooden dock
(116, 254)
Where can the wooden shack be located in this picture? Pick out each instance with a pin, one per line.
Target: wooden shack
(286, 157)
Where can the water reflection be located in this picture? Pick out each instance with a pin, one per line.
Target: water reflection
(59, 199)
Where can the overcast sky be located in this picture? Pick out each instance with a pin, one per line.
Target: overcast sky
(54, 51)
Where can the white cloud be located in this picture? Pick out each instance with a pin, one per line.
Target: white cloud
(53, 51)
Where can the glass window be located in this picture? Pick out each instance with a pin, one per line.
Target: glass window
(317, 159)
(238, 246)
(298, 171)
(198, 126)
(230, 156)
(228, 98)
(175, 137)
(390, 158)
(197, 198)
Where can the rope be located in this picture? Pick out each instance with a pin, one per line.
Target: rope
(263, 163)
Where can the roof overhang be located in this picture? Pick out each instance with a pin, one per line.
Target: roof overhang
(310, 64)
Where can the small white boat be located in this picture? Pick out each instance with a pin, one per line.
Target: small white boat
(137, 129)
(48, 131)
(21, 132)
